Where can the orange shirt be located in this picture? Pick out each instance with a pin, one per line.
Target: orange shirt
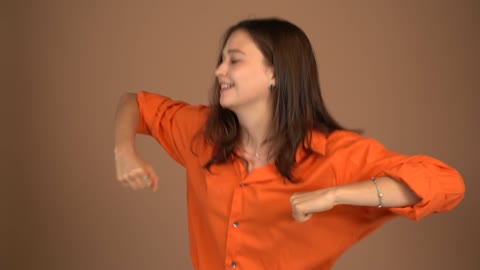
(244, 221)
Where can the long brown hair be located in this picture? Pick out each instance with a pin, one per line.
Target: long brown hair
(298, 107)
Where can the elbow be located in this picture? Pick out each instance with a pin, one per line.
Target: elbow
(456, 189)
(127, 97)
(450, 185)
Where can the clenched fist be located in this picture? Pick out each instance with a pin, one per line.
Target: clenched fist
(134, 172)
(306, 203)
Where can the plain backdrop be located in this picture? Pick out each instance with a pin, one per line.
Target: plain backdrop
(407, 72)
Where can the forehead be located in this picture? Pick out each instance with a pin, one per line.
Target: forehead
(240, 40)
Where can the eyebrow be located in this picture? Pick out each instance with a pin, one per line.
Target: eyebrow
(235, 51)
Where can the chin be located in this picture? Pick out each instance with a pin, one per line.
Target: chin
(226, 103)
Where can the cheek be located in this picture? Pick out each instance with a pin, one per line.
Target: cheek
(252, 78)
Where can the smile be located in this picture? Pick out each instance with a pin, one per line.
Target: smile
(225, 86)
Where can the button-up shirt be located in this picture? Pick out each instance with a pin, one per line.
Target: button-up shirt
(244, 220)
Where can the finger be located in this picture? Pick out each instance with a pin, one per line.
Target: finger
(153, 178)
(301, 209)
(146, 181)
(301, 217)
(309, 203)
(133, 181)
(154, 182)
(124, 181)
(299, 196)
(303, 204)
(141, 180)
(294, 197)
(297, 216)
(298, 211)
(305, 217)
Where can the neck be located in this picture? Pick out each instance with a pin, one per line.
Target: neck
(256, 127)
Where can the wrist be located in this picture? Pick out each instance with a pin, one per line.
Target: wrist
(123, 149)
(335, 191)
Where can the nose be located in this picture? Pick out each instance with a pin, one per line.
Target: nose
(220, 70)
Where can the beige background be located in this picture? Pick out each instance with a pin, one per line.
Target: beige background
(405, 71)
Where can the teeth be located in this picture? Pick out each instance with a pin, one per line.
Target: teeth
(226, 85)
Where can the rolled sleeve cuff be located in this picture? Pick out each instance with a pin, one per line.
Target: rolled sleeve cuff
(440, 188)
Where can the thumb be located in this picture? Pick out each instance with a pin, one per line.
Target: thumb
(153, 179)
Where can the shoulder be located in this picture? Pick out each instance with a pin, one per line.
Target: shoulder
(326, 143)
(157, 103)
(350, 141)
(342, 139)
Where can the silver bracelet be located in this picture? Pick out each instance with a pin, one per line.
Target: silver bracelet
(379, 193)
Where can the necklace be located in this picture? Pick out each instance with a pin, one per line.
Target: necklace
(256, 153)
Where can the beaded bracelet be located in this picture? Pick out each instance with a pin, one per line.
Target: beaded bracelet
(379, 193)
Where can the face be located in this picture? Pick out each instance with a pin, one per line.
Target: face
(244, 75)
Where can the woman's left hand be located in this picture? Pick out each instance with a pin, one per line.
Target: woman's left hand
(306, 203)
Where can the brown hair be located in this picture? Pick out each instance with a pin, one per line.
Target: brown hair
(298, 107)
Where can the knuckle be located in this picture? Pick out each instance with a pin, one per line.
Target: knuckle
(137, 170)
(129, 177)
(134, 174)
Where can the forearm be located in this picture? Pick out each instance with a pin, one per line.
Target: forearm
(126, 123)
(395, 193)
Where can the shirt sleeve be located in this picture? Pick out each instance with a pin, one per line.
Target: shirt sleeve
(174, 124)
(439, 186)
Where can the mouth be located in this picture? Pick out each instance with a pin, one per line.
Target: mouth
(226, 86)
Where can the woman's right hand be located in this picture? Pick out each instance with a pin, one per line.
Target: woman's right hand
(134, 172)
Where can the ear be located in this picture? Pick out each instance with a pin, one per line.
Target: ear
(271, 75)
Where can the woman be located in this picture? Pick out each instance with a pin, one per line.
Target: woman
(273, 181)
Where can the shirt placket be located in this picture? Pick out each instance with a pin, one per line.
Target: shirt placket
(234, 231)
(234, 227)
